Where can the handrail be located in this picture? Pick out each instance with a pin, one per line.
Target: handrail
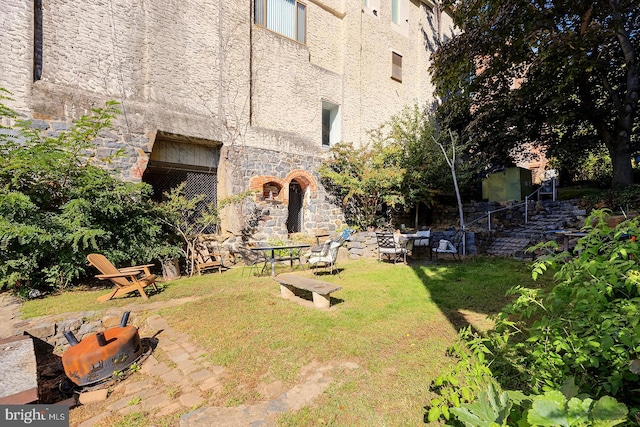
(526, 211)
(525, 203)
(488, 214)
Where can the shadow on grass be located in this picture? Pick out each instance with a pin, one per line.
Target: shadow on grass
(467, 292)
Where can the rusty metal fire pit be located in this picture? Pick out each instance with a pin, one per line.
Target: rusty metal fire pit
(100, 355)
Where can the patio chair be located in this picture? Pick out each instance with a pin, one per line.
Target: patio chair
(125, 279)
(423, 241)
(205, 260)
(252, 260)
(327, 257)
(390, 245)
(319, 249)
(451, 247)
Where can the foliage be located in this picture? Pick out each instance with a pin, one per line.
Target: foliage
(56, 206)
(364, 179)
(627, 199)
(188, 218)
(402, 166)
(586, 327)
(464, 380)
(562, 75)
(553, 408)
(587, 165)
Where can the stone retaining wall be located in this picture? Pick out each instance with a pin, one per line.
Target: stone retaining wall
(52, 329)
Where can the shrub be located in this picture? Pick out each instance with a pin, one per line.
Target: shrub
(57, 205)
(586, 327)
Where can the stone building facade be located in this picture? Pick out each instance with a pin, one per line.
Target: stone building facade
(227, 95)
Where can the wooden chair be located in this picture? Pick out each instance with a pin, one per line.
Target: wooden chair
(206, 260)
(125, 279)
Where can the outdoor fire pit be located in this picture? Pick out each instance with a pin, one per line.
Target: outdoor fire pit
(100, 355)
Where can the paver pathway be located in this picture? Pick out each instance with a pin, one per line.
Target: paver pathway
(178, 379)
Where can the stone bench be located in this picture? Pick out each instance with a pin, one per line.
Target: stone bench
(320, 290)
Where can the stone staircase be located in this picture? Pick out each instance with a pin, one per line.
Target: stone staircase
(548, 216)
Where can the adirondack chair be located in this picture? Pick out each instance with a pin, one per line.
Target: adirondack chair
(125, 279)
(206, 260)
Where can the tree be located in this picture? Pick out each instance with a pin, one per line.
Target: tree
(563, 75)
(401, 167)
(57, 205)
(414, 129)
(188, 219)
(363, 180)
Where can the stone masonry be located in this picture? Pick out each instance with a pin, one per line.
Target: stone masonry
(205, 71)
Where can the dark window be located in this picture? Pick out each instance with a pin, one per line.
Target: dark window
(396, 66)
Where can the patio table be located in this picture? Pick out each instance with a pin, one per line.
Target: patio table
(271, 250)
(568, 234)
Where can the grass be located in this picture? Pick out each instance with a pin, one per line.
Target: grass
(394, 321)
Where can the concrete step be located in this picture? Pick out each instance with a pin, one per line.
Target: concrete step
(508, 246)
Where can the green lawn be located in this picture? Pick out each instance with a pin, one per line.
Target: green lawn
(394, 321)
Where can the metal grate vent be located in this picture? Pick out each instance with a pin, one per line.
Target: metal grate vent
(163, 179)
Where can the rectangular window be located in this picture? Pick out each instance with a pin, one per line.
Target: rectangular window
(330, 124)
(286, 17)
(371, 7)
(395, 11)
(396, 66)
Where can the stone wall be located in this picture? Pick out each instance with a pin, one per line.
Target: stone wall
(261, 218)
(51, 328)
(203, 70)
(365, 244)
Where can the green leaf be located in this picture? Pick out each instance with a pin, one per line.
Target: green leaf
(549, 410)
(607, 342)
(607, 411)
(578, 411)
(468, 418)
(434, 414)
(569, 388)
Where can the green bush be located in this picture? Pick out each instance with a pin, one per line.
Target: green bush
(57, 205)
(553, 408)
(586, 327)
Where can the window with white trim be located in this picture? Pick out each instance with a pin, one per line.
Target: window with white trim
(400, 16)
(285, 17)
(330, 124)
(371, 6)
(395, 11)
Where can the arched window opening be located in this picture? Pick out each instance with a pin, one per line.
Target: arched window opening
(271, 191)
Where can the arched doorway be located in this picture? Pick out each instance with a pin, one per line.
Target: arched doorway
(296, 198)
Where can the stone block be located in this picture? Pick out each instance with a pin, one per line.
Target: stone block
(42, 330)
(189, 400)
(93, 396)
(200, 375)
(110, 321)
